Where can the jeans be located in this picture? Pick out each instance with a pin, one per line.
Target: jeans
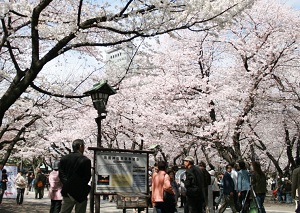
(288, 198)
(260, 200)
(245, 201)
(20, 195)
(68, 205)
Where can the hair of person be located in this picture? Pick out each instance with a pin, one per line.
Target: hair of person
(3, 170)
(76, 144)
(257, 168)
(161, 165)
(169, 171)
(232, 164)
(242, 165)
(202, 163)
(211, 166)
(227, 166)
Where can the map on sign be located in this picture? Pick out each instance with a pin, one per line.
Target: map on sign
(121, 172)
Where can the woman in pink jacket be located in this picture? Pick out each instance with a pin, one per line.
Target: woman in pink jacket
(161, 183)
(55, 189)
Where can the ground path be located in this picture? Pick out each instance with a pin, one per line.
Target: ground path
(32, 205)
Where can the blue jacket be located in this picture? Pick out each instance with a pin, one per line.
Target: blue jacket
(228, 184)
(243, 181)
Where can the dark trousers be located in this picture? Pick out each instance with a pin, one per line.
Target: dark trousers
(20, 195)
(162, 207)
(194, 205)
(55, 206)
(182, 200)
(1, 195)
(39, 193)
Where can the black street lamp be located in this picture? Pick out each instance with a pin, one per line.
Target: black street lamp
(100, 94)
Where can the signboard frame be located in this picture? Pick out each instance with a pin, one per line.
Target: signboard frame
(117, 164)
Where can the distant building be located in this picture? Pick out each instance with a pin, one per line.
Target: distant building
(118, 59)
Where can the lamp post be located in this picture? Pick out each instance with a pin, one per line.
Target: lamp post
(100, 94)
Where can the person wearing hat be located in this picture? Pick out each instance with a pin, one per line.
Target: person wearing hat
(194, 186)
(20, 184)
(55, 189)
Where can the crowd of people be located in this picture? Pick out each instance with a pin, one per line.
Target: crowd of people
(239, 186)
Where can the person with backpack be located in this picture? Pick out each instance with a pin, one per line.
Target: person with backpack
(39, 184)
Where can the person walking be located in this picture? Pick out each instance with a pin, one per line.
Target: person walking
(228, 191)
(259, 183)
(215, 188)
(3, 184)
(207, 181)
(160, 183)
(182, 191)
(75, 174)
(175, 187)
(234, 176)
(243, 186)
(296, 184)
(194, 184)
(55, 189)
(20, 184)
(39, 184)
(29, 182)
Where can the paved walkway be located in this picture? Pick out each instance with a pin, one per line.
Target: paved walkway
(32, 205)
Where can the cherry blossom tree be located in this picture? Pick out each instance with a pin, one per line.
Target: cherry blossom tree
(37, 34)
(221, 95)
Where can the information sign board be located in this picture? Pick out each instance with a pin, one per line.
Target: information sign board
(121, 172)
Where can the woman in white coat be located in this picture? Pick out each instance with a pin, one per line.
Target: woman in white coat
(20, 184)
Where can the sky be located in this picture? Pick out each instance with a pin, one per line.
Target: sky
(293, 3)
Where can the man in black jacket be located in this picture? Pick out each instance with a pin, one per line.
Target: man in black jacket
(194, 186)
(75, 174)
(228, 191)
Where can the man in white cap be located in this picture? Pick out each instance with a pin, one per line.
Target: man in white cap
(194, 186)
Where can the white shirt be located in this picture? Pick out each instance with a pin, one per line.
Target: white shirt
(234, 176)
